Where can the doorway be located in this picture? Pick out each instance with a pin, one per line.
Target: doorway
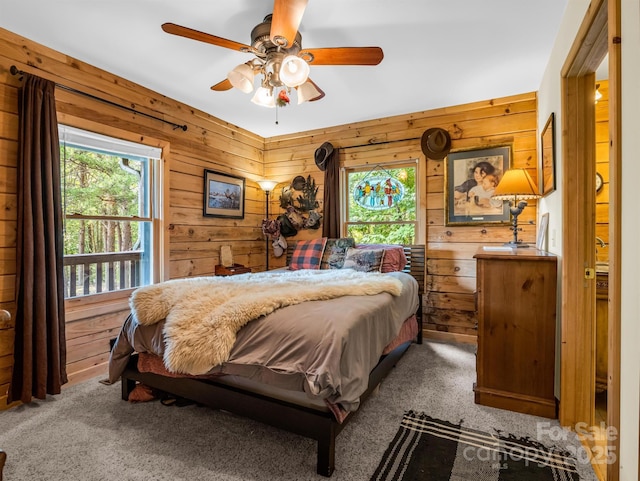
(595, 39)
(602, 259)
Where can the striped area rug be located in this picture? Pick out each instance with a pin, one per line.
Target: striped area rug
(425, 448)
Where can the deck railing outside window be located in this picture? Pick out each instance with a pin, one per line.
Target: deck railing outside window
(87, 274)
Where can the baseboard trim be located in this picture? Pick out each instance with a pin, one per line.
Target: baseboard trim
(450, 337)
(511, 401)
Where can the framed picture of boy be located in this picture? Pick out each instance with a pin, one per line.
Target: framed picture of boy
(471, 177)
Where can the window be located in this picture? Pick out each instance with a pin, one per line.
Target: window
(381, 206)
(108, 207)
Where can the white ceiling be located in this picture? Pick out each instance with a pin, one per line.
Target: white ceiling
(437, 53)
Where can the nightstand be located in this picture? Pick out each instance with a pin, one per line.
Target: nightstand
(234, 270)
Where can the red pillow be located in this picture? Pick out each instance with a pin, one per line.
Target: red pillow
(308, 254)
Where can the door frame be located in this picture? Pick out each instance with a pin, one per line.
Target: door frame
(599, 34)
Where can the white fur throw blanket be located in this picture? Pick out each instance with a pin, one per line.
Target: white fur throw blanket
(203, 314)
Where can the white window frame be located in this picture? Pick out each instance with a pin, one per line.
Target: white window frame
(118, 141)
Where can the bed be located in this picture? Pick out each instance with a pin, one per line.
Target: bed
(308, 400)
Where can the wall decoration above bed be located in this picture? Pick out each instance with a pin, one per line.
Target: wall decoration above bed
(299, 202)
(223, 195)
(307, 191)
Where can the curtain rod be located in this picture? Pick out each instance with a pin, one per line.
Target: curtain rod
(15, 71)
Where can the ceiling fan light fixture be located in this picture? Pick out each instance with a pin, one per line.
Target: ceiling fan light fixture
(264, 97)
(279, 59)
(241, 77)
(598, 93)
(307, 92)
(294, 71)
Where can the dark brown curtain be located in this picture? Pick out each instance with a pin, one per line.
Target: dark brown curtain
(40, 352)
(331, 217)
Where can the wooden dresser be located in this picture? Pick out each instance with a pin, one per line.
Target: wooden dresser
(516, 309)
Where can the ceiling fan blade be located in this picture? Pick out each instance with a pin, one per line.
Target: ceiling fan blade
(222, 86)
(186, 32)
(343, 56)
(286, 18)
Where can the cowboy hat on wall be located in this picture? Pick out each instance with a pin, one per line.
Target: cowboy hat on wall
(435, 143)
(322, 155)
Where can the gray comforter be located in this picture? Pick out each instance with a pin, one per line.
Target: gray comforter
(324, 348)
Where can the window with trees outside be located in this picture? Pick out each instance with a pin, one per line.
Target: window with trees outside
(108, 197)
(381, 204)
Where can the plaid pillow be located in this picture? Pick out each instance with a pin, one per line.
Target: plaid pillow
(335, 252)
(308, 254)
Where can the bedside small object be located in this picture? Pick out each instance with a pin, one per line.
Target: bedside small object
(226, 256)
(234, 270)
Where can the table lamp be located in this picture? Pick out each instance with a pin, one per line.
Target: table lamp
(516, 186)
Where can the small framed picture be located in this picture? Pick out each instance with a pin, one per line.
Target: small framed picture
(471, 177)
(223, 195)
(541, 239)
(547, 165)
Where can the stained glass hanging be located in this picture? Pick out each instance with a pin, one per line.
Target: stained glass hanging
(378, 191)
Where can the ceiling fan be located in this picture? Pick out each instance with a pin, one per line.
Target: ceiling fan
(279, 56)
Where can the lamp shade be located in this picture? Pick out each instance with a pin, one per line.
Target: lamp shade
(308, 92)
(241, 78)
(264, 97)
(516, 184)
(294, 71)
(267, 185)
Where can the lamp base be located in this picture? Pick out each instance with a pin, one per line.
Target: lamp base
(515, 245)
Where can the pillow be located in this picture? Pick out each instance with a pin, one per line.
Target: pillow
(394, 257)
(335, 252)
(307, 254)
(364, 260)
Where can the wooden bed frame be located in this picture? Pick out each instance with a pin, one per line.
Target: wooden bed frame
(312, 423)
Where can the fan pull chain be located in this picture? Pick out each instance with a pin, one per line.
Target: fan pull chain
(276, 113)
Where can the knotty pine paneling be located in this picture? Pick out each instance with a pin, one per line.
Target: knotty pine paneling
(449, 300)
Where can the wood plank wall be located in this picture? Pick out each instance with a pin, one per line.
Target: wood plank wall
(602, 167)
(449, 301)
(194, 241)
